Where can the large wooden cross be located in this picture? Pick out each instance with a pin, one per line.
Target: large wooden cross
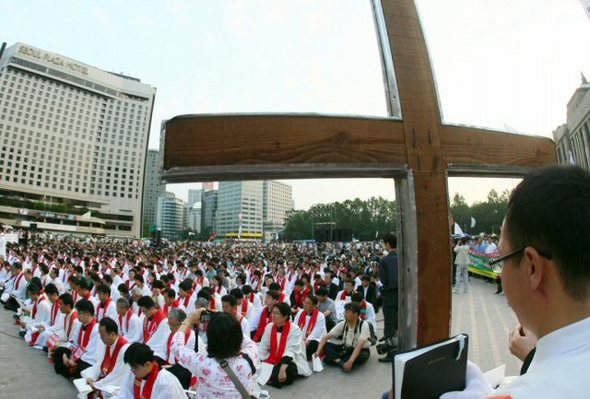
(412, 146)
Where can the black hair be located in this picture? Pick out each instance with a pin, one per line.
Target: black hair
(85, 306)
(550, 210)
(67, 299)
(353, 307)
(247, 289)
(51, 289)
(138, 354)
(299, 283)
(273, 294)
(146, 302)
(314, 299)
(158, 284)
(323, 291)
(104, 289)
(170, 293)
(275, 287)
(391, 239)
(229, 299)
(236, 293)
(138, 277)
(123, 288)
(283, 308)
(34, 289)
(109, 324)
(203, 293)
(357, 297)
(224, 336)
(108, 278)
(185, 285)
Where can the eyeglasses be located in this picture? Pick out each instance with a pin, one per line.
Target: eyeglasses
(544, 254)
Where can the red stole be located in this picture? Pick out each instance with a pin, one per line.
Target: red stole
(213, 303)
(282, 297)
(276, 352)
(252, 294)
(150, 326)
(108, 363)
(84, 335)
(245, 305)
(146, 393)
(312, 322)
(300, 297)
(343, 295)
(218, 289)
(175, 305)
(187, 335)
(104, 309)
(127, 317)
(54, 310)
(34, 312)
(187, 298)
(73, 316)
(264, 319)
(18, 279)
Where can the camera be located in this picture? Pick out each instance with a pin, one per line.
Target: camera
(205, 316)
(389, 345)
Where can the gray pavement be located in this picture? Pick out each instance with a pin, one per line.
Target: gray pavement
(481, 314)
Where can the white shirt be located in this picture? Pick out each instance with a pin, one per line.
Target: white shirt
(295, 348)
(89, 355)
(318, 331)
(560, 367)
(131, 328)
(116, 375)
(166, 386)
(110, 311)
(190, 343)
(159, 339)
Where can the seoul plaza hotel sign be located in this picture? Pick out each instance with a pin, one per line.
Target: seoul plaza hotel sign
(53, 59)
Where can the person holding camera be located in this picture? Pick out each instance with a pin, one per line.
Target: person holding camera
(227, 347)
(282, 346)
(353, 340)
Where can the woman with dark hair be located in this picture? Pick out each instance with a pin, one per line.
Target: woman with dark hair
(225, 343)
(282, 347)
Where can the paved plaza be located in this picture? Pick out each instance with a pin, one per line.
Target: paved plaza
(481, 314)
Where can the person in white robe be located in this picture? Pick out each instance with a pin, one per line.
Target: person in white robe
(312, 323)
(130, 325)
(46, 329)
(107, 306)
(38, 315)
(288, 357)
(147, 378)
(175, 319)
(155, 327)
(110, 368)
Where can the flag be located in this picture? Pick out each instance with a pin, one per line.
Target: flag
(87, 215)
(458, 230)
(473, 222)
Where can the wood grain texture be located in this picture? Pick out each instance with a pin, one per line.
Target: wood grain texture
(468, 145)
(281, 145)
(281, 140)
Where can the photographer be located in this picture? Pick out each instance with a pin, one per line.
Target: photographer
(354, 334)
(225, 343)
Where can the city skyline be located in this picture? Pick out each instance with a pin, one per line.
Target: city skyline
(501, 65)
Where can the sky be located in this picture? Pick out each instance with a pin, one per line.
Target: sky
(507, 64)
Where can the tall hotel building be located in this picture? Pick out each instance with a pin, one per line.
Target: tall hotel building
(73, 143)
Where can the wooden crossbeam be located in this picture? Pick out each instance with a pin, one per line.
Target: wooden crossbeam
(234, 147)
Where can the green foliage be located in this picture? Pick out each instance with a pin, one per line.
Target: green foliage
(363, 218)
(488, 215)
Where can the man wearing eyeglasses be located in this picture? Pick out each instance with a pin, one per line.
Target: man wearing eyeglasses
(546, 278)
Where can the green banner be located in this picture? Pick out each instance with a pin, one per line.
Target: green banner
(480, 265)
